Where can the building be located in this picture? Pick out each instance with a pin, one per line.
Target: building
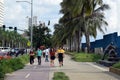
(101, 44)
(1, 12)
(34, 21)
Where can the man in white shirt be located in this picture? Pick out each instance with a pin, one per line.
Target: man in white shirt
(46, 55)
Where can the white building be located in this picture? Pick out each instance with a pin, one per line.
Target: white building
(1, 12)
(34, 21)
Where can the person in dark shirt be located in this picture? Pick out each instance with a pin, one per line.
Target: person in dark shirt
(31, 56)
(52, 56)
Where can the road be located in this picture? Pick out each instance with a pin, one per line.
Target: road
(75, 71)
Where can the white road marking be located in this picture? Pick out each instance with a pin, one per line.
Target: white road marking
(103, 69)
(27, 75)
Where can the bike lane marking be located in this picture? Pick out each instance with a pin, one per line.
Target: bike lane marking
(27, 75)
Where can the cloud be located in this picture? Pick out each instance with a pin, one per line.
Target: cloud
(112, 16)
(47, 2)
(15, 13)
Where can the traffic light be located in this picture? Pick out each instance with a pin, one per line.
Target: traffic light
(15, 29)
(10, 27)
(4, 27)
(48, 23)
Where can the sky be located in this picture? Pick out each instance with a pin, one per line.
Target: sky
(16, 14)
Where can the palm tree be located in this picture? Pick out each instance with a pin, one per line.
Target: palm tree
(95, 21)
(80, 17)
(58, 35)
(69, 23)
(90, 14)
(11, 39)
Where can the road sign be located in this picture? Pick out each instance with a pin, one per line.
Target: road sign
(28, 43)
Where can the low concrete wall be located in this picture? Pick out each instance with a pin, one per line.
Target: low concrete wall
(99, 50)
(114, 70)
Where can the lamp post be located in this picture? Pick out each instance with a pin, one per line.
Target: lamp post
(31, 29)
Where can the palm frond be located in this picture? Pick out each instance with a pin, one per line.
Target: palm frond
(102, 8)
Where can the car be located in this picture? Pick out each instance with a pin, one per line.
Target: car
(4, 55)
(20, 51)
(5, 50)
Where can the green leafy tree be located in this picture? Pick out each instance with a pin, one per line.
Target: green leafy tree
(41, 36)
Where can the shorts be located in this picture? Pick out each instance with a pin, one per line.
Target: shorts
(52, 57)
(60, 57)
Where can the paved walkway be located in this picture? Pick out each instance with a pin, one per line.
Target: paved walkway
(31, 72)
(75, 71)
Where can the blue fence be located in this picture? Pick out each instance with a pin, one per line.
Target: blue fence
(107, 39)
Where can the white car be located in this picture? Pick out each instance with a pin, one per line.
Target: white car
(5, 50)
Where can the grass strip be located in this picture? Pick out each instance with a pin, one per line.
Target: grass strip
(117, 65)
(85, 57)
(60, 76)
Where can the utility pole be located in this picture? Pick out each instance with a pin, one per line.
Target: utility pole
(31, 27)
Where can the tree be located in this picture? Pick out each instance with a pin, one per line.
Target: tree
(12, 39)
(70, 26)
(82, 17)
(95, 21)
(41, 36)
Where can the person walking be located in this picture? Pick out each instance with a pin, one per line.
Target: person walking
(31, 56)
(46, 55)
(60, 54)
(52, 56)
(39, 54)
(43, 53)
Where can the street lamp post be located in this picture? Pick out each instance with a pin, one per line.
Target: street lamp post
(31, 29)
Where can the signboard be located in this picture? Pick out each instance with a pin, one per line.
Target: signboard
(28, 43)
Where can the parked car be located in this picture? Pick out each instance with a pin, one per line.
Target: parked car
(5, 50)
(4, 55)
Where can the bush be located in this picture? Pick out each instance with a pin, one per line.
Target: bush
(117, 65)
(60, 76)
(16, 64)
(13, 64)
(2, 74)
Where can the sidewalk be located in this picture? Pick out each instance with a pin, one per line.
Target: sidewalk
(83, 70)
(74, 70)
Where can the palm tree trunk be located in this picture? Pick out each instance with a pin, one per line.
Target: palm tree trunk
(75, 43)
(70, 46)
(87, 42)
(2, 42)
(12, 44)
(78, 40)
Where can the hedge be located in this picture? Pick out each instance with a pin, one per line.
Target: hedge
(13, 64)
